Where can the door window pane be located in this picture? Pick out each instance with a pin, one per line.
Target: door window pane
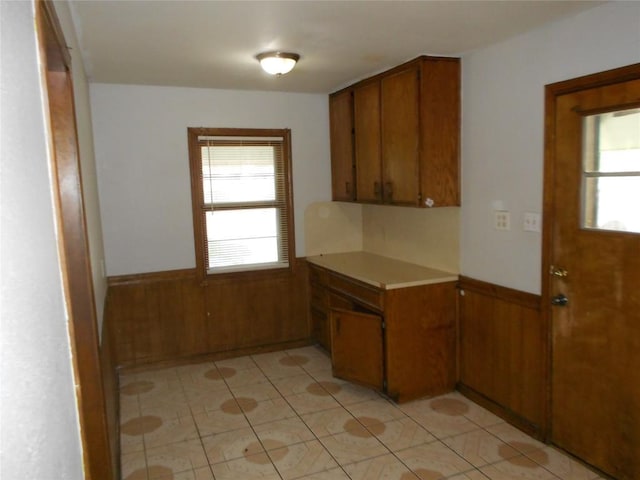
(611, 171)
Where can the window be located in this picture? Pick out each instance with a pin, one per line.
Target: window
(241, 193)
(611, 171)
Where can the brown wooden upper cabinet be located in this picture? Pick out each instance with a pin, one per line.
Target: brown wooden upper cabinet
(404, 132)
(342, 166)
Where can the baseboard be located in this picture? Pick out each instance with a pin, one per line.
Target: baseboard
(214, 356)
(508, 415)
(111, 388)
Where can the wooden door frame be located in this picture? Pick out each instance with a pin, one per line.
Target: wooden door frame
(552, 92)
(73, 246)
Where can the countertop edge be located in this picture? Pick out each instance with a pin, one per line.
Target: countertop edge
(446, 276)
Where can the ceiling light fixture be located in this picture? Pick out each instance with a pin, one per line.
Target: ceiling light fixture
(277, 63)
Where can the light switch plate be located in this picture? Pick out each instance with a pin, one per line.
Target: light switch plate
(532, 222)
(502, 220)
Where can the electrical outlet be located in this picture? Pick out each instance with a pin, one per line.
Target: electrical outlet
(502, 220)
(531, 222)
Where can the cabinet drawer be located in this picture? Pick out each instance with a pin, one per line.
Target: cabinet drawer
(317, 275)
(338, 301)
(359, 292)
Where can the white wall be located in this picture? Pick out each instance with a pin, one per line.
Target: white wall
(143, 169)
(503, 131)
(87, 160)
(38, 417)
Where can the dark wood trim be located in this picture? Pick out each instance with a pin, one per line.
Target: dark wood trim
(191, 273)
(197, 194)
(73, 245)
(199, 234)
(595, 80)
(173, 315)
(151, 277)
(511, 417)
(503, 353)
(551, 93)
(397, 69)
(547, 228)
(518, 297)
(57, 52)
(112, 392)
(215, 356)
(288, 187)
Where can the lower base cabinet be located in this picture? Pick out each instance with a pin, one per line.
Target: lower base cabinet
(401, 341)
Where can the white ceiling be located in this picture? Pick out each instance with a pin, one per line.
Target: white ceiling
(212, 44)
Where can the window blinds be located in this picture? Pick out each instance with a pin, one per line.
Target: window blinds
(244, 204)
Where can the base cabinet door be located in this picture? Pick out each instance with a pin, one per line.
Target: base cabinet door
(357, 351)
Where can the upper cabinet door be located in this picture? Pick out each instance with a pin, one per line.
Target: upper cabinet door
(400, 97)
(440, 132)
(366, 107)
(405, 141)
(342, 161)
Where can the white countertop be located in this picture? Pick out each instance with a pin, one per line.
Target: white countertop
(382, 272)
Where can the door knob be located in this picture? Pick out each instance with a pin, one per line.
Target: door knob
(558, 271)
(559, 300)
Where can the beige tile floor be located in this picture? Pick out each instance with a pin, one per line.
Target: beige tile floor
(283, 416)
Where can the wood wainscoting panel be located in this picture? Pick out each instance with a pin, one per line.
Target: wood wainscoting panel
(111, 392)
(504, 353)
(173, 315)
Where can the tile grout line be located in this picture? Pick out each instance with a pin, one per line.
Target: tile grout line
(405, 415)
(193, 419)
(354, 417)
(389, 451)
(266, 452)
(344, 407)
(299, 417)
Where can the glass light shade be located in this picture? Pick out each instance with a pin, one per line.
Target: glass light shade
(277, 63)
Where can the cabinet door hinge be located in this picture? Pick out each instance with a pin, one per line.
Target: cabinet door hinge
(384, 325)
(384, 385)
